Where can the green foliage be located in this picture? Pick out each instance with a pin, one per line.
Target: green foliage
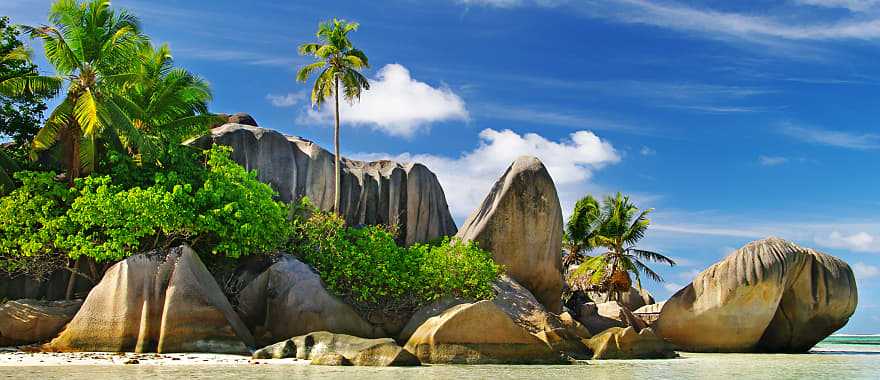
(229, 213)
(617, 226)
(365, 265)
(20, 114)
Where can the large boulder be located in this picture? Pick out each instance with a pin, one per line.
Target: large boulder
(33, 321)
(600, 317)
(632, 299)
(512, 328)
(289, 299)
(378, 192)
(338, 349)
(158, 302)
(769, 296)
(520, 222)
(627, 343)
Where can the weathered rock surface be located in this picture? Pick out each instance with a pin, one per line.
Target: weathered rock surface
(156, 303)
(649, 313)
(378, 192)
(769, 296)
(30, 321)
(325, 347)
(626, 343)
(242, 118)
(600, 317)
(520, 222)
(633, 299)
(289, 299)
(512, 328)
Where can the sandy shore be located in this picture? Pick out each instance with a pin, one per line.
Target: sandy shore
(15, 357)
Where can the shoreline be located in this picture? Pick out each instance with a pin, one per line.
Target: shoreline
(13, 357)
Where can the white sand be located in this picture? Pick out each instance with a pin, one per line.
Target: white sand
(14, 357)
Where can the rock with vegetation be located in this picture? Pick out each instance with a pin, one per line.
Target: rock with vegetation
(289, 299)
(378, 192)
(511, 328)
(520, 222)
(30, 321)
(324, 347)
(769, 296)
(627, 343)
(159, 302)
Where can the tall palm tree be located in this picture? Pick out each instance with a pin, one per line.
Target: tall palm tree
(581, 230)
(94, 50)
(341, 63)
(621, 227)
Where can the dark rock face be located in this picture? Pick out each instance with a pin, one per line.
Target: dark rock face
(325, 348)
(769, 296)
(289, 299)
(378, 192)
(242, 118)
(33, 321)
(520, 222)
(166, 302)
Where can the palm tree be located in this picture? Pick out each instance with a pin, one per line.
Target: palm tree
(581, 230)
(621, 226)
(167, 104)
(341, 63)
(94, 50)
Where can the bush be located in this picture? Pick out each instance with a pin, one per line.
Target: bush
(367, 267)
(229, 213)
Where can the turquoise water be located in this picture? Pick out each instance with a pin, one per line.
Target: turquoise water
(839, 357)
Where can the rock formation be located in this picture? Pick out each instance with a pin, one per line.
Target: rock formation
(520, 222)
(600, 317)
(378, 192)
(156, 303)
(326, 349)
(512, 328)
(769, 296)
(30, 321)
(633, 299)
(626, 343)
(289, 299)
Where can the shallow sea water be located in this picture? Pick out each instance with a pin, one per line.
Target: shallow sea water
(834, 359)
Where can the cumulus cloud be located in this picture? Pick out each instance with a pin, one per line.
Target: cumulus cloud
(864, 271)
(397, 104)
(859, 242)
(289, 100)
(468, 178)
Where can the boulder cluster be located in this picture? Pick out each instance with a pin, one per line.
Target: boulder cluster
(769, 296)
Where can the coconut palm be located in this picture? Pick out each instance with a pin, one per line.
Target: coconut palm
(340, 63)
(94, 50)
(166, 104)
(581, 230)
(620, 228)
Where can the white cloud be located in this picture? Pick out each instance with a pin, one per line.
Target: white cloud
(859, 242)
(468, 178)
(645, 151)
(289, 100)
(397, 104)
(840, 139)
(772, 160)
(864, 271)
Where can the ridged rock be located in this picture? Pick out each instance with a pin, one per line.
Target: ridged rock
(156, 303)
(520, 222)
(769, 296)
(377, 192)
(289, 299)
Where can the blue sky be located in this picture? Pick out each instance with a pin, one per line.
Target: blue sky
(734, 120)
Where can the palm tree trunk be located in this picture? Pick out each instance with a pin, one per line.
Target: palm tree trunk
(338, 179)
(71, 282)
(73, 174)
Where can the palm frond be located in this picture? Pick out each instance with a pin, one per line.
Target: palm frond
(86, 113)
(57, 121)
(639, 266)
(303, 74)
(652, 256)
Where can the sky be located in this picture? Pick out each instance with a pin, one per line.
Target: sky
(733, 120)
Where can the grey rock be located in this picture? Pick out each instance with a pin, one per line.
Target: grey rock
(378, 192)
(326, 348)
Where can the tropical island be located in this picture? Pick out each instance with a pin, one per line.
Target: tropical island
(137, 220)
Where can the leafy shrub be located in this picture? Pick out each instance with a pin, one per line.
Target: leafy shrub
(229, 213)
(366, 266)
